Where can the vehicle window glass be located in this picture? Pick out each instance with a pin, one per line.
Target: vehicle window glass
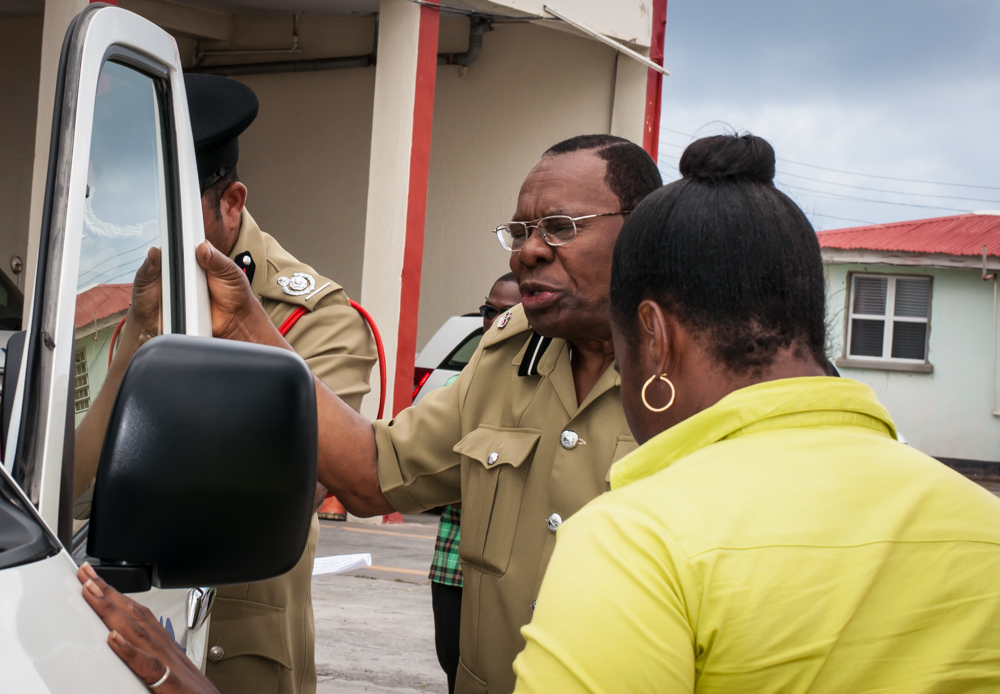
(461, 355)
(125, 215)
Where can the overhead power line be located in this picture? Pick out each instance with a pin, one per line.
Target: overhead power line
(876, 190)
(856, 173)
(882, 190)
(843, 219)
(877, 202)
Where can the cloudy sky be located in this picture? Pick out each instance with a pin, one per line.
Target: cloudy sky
(906, 92)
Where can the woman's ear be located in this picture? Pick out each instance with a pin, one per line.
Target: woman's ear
(656, 335)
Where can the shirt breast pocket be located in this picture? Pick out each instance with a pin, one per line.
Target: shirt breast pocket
(491, 499)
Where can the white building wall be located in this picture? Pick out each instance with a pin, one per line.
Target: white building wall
(530, 88)
(306, 166)
(305, 159)
(947, 413)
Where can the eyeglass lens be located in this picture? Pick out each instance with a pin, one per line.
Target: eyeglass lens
(488, 312)
(556, 231)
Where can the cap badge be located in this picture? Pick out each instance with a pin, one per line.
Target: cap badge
(503, 320)
(300, 283)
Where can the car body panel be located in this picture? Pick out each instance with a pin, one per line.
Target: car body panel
(457, 334)
(50, 639)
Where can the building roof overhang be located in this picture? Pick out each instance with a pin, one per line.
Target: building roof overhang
(960, 241)
(861, 256)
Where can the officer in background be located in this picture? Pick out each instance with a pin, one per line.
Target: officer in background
(262, 637)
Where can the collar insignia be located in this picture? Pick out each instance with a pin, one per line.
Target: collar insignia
(244, 261)
(533, 354)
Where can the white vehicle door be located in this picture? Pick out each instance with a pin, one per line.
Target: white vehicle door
(122, 181)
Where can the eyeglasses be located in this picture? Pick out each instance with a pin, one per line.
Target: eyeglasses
(490, 312)
(557, 230)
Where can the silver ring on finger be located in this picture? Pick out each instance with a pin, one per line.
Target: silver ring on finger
(160, 681)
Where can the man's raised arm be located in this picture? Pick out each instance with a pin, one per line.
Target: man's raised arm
(346, 449)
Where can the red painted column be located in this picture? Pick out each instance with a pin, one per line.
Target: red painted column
(416, 213)
(654, 83)
(416, 210)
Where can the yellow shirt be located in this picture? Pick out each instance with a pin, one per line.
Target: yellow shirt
(779, 541)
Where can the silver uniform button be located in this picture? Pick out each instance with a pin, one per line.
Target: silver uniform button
(569, 439)
(492, 458)
(533, 605)
(215, 654)
(553, 522)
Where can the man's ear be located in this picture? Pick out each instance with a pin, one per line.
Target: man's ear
(231, 204)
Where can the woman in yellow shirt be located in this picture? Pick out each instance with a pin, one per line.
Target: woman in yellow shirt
(771, 535)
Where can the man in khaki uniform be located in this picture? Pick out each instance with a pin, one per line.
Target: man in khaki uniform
(262, 636)
(510, 440)
(524, 437)
(528, 432)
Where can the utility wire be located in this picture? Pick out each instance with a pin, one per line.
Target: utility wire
(843, 219)
(854, 173)
(891, 178)
(872, 190)
(878, 202)
(893, 192)
(780, 174)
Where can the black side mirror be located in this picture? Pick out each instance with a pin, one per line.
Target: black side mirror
(208, 471)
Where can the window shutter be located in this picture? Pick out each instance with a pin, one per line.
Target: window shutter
(908, 340)
(869, 296)
(867, 337)
(912, 298)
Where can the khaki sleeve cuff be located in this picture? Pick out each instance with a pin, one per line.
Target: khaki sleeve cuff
(390, 477)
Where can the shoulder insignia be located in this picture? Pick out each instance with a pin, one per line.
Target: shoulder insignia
(301, 283)
(508, 325)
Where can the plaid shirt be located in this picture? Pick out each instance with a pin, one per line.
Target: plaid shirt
(445, 567)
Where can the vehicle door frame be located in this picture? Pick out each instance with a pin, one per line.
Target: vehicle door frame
(42, 403)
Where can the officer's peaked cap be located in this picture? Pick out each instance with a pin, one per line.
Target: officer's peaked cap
(221, 109)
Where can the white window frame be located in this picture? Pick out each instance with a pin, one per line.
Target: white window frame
(886, 361)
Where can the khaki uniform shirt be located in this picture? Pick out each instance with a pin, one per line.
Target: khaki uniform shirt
(509, 440)
(265, 630)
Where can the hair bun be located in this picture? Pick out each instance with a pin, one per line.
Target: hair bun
(736, 157)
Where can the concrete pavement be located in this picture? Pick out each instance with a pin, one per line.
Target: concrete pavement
(374, 626)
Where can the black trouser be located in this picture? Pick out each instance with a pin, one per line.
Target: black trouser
(446, 602)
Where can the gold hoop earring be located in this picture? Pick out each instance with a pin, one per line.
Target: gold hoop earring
(673, 393)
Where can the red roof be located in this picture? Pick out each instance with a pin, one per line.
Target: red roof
(102, 301)
(963, 234)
